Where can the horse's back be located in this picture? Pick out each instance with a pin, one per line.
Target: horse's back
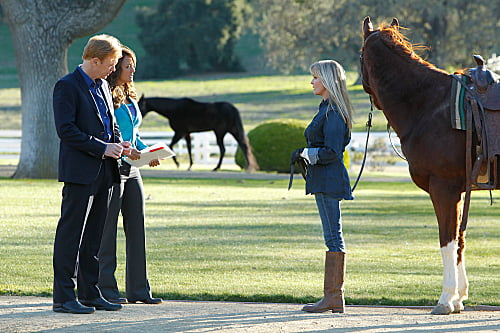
(188, 115)
(227, 109)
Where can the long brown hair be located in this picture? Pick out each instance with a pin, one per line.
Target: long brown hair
(122, 92)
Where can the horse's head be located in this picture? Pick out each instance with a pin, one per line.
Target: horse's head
(368, 27)
(389, 64)
(143, 105)
(370, 33)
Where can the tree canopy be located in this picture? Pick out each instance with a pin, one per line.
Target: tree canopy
(190, 36)
(296, 33)
(41, 32)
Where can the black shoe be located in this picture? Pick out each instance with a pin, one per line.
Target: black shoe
(101, 304)
(148, 300)
(72, 307)
(120, 300)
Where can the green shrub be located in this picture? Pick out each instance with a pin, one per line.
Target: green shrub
(273, 141)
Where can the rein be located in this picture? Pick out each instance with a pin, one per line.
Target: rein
(368, 127)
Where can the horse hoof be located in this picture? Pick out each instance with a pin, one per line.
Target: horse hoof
(457, 307)
(441, 309)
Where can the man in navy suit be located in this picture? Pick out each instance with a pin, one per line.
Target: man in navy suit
(90, 145)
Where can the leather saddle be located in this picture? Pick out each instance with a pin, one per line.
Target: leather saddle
(487, 85)
(485, 105)
(482, 134)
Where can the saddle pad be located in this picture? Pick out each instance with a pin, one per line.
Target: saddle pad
(457, 106)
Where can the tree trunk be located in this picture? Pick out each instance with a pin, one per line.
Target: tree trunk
(42, 32)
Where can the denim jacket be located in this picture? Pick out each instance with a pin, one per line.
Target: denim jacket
(327, 136)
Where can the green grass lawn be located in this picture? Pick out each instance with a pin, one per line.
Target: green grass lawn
(252, 240)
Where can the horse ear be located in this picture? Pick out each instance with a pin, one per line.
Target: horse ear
(367, 27)
(395, 23)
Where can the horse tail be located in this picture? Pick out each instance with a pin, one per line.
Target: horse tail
(243, 141)
(252, 164)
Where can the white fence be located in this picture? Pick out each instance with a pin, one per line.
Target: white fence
(204, 146)
(10, 142)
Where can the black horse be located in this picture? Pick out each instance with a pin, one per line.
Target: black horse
(188, 116)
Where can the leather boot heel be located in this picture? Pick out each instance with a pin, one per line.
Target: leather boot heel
(333, 289)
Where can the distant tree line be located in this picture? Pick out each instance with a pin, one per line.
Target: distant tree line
(41, 33)
(200, 35)
(182, 36)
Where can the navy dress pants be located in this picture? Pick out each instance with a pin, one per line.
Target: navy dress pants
(78, 235)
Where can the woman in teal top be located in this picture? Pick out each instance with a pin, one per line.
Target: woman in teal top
(129, 119)
(128, 196)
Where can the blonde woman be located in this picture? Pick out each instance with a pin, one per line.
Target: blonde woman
(327, 136)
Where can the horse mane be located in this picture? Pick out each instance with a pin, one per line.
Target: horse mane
(394, 38)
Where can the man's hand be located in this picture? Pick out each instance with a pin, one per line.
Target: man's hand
(113, 150)
(295, 156)
(127, 147)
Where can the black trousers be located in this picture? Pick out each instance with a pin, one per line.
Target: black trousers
(78, 235)
(128, 197)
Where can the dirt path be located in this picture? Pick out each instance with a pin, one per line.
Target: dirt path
(34, 314)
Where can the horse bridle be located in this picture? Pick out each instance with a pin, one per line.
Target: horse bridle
(370, 115)
(368, 123)
(361, 60)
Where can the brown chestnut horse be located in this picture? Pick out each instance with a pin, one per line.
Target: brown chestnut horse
(415, 98)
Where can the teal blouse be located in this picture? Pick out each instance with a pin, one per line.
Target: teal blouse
(129, 124)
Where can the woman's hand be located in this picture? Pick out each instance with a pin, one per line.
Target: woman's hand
(154, 163)
(295, 156)
(134, 154)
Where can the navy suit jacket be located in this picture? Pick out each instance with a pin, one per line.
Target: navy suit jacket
(81, 130)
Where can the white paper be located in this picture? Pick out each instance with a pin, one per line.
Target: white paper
(158, 151)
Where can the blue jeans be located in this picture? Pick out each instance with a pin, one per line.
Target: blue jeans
(329, 212)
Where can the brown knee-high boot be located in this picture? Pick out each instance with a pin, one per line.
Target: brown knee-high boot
(333, 298)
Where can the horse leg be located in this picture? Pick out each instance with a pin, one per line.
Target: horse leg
(449, 296)
(222, 149)
(463, 283)
(175, 139)
(447, 202)
(188, 144)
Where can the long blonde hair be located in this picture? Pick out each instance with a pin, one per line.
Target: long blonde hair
(333, 77)
(122, 92)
